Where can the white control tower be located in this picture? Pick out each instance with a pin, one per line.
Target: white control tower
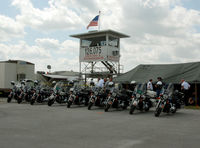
(99, 54)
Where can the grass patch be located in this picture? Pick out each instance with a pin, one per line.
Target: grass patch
(192, 107)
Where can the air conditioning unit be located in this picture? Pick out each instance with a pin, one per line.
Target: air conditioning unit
(21, 76)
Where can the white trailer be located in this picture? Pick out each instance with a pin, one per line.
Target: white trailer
(14, 70)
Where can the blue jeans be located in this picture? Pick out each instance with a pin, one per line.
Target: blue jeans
(158, 92)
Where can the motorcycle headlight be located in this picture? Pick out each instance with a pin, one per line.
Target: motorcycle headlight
(96, 93)
(165, 96)
(62, 93)
(138, 95)
(114, 94)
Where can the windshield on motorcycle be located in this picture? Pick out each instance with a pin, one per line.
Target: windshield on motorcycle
(61, 86)
(140, 88)
(168, 89)
(29, 84)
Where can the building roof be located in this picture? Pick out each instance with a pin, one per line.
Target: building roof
(168, 72)
(101, 32)
(66, 73)
(17, 61)
(70, 78)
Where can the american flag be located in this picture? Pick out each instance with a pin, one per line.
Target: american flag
(94, 22)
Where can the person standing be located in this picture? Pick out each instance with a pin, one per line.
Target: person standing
(150, 85)
(106, 82)
(100, 83)
(159, 86)
(185, 86)
(92, 83)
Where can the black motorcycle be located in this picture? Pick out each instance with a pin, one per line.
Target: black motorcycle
(178, 99)
(27, 91)
(60, 93)
(116, 99)
(97, 97)
(139, 100)
(58, 96)
(15, 92)
(166, 102)
(40, 95)
(78, 96)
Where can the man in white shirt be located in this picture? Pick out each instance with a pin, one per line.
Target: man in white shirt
(150, 85)
(100, 83)
(185, 86)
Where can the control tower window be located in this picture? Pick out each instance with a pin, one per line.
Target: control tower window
(112, 41)
(91, 42)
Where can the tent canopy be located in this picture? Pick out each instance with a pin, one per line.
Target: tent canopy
(169, 72)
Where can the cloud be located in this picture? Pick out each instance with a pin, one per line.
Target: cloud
(161, 31)
(56, 17)
(45, 51)
(23, 50)
(69, 48)
(9, 28)
(2, 55)
(48, 44)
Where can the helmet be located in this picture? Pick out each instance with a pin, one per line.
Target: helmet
(71, 83)
(71, 89)
(36, 82)
(133, 82)
(110, 84)
(159, 83)
(12, 83)
(23, 82)
(54, 82)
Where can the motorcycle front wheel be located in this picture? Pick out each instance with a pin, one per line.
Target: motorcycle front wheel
(9, 99)
(19, 100)
(157, 112)
(69, 103)
(90, 105)
(50, 102)
(106, 107)
(146, 108)
(132, 109)
(32, 101)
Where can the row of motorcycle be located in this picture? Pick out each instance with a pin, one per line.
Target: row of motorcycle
(111, 96)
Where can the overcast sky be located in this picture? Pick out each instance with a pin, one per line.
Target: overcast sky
(161, 31)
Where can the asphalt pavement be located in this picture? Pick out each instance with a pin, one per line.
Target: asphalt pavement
(41, 126)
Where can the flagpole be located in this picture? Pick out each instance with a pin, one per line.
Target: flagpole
(99, 21)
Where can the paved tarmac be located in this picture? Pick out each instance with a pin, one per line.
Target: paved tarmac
(41, 126)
